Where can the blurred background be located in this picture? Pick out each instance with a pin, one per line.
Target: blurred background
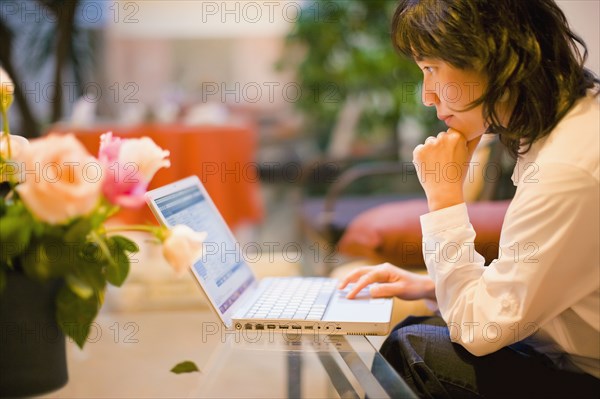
(273, 104)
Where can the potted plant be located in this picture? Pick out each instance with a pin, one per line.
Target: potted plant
(57, 254)
(341, 51)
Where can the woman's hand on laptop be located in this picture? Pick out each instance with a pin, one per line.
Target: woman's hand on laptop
(392, 281)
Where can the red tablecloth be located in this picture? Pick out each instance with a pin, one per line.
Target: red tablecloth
(221, 156)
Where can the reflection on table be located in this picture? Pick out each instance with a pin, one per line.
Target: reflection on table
(221, 156)
(130, 355)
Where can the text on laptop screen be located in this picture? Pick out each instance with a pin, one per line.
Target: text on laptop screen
(224, 273)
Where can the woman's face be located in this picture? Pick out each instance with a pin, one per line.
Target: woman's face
(451, 90)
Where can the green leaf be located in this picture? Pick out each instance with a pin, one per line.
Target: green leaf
(15, 233)
(91, 271)
(78, 231)
(117, 272)
(118, 269)
(185, 367)
(97, 218)
(126, 244)
(2, 202)
(48, 257)
(2, 280)
(75, 315)
(35, 262)
(81, 288)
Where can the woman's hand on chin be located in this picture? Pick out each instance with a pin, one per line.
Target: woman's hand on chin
(442, 163)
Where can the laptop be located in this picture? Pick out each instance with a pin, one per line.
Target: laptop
(299, 304)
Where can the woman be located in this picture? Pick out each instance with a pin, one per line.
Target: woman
(528, 324)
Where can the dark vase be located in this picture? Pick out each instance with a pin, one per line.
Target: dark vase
(32, 346)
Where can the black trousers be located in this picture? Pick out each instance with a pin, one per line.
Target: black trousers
(420, 350)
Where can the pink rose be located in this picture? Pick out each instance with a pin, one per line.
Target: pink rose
(182, 247)
(61, 180)
(130, 165)
(145, 154)
(109, 148)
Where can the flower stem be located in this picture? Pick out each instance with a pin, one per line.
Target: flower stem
(6, 132)
(157, 231)
(103, 247)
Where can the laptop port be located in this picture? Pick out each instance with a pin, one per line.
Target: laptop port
(296, 327)
(308, 327)
(283, 327)
(260, 327)
(338, 328)
(248, 326)
(271, 326)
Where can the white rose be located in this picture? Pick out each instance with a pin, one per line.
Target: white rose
(10, 170)
(182, 247)
(17, 145)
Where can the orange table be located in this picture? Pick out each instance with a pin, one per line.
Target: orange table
(221, 156)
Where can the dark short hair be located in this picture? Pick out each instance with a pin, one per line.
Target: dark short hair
(523, 46)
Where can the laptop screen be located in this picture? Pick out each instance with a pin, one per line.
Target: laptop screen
(224, 273)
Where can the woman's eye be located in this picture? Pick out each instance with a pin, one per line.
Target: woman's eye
(428, 69)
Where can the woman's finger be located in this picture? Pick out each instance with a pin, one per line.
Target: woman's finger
(354, 276)
(387, 290)
(369, 278)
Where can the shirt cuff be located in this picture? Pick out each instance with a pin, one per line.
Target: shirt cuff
(444, 219)
(432, 306)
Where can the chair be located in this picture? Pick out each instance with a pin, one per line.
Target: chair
(385, 226)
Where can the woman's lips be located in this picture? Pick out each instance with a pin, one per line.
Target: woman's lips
(445, 118)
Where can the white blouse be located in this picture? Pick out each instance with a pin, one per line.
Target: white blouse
(545, 284)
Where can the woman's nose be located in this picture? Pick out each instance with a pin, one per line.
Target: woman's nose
(429, 95)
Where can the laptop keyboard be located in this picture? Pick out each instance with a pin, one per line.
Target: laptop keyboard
(303, 298)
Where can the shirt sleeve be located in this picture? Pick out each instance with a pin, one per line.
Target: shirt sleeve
(547, 261)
